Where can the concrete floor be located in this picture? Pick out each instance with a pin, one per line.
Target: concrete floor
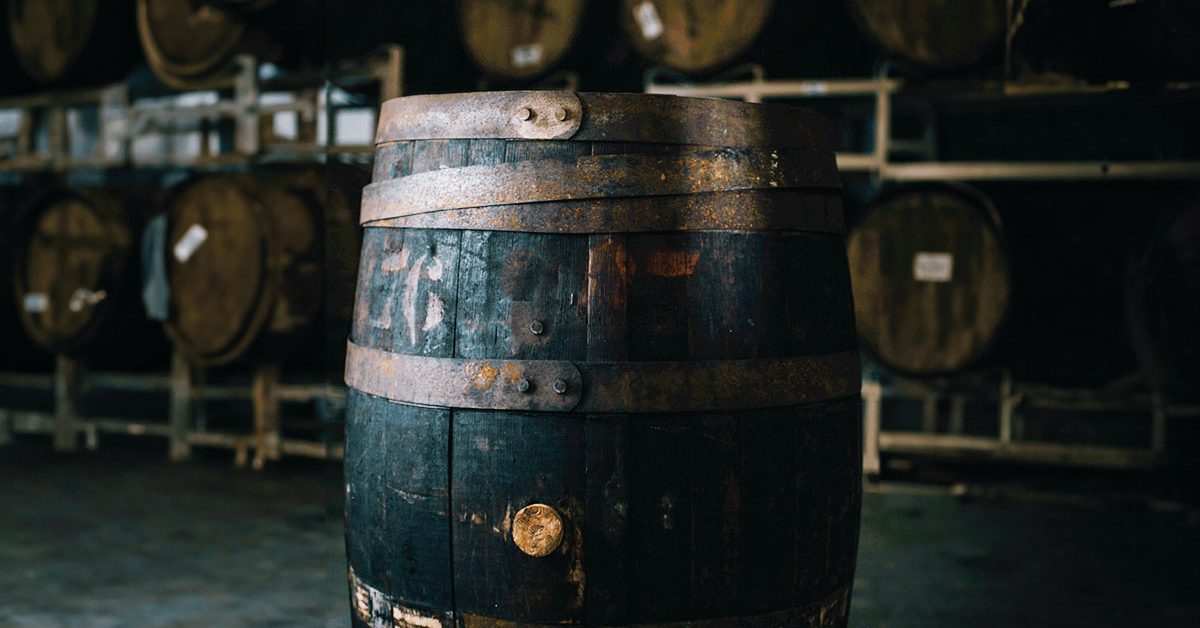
(120, 537)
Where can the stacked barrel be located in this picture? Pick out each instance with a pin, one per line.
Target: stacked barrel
(258, 263)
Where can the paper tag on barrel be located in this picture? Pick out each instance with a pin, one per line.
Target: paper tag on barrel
(648, 20)
(36, 302)
(934, 267)
(191, 240)
(527, 55)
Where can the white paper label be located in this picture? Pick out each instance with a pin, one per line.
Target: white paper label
(191, 240)
(933, 266)
(527, 55)
(36, 302)
(83, 297)
(647, 18)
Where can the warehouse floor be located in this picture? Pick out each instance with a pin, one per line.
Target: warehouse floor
(120, 537)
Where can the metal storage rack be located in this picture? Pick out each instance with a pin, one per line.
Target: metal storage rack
(233, 123)
(1010, 398)
(878, 161)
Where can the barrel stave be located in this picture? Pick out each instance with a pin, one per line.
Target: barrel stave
(398, 504)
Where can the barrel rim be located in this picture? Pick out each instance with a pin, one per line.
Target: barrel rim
(182, 75)
(984, 207)
(106, 205)
(603, 116)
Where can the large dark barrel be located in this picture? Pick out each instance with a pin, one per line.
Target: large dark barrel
(1163, 300)
(603, 366)
(519, 39)
(934, 34)
(931, 279)
(77, 278)
(193, 44)
(692, 38)
(246, 261)
(72, 41)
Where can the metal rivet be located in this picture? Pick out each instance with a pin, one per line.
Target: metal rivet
(537, 328)
(560, 386)
(525, 113)
(537, 530)
(522, 385)
(562, 114)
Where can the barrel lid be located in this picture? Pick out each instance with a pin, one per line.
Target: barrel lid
(603, 117)
(185, 39)
(518, 40)
(72, 245)
(930, 274)
(218, 251)
(693, 37)
(49, 35)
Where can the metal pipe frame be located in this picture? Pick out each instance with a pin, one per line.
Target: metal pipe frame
(121, 119)
(877, 161)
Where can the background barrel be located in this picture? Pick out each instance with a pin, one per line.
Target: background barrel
(75, 42)
(519, 40)
(934, 34)
(1163, 299)
(1028, 276)
(77, 278)
(693, 37)
(246, 261)
(1150, 40)
(931, 280)
(193, 44)
(657, 497)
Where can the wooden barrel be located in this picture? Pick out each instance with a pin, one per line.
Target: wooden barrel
(1163, 300)
(934, 34)
(603, 366)
(1024, 276)
(519, 39)
(245, 261)
(77, 278)
(693, 37)
(75, 41)
(931, 279)
(192, 44)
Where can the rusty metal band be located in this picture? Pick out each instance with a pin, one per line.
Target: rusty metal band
(601, 387)
(597, 177)
(374, 608)
(549, 115)
(817, 211)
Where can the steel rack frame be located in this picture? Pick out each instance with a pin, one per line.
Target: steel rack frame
(231, 121)
(879, 162)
